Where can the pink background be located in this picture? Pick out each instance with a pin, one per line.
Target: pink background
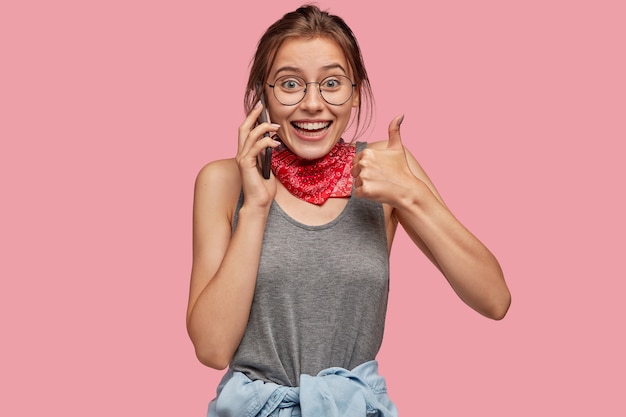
(109, 108)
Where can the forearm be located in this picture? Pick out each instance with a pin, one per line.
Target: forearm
(218, 319)
(470, 268)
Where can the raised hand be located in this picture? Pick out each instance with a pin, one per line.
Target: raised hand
(257, 190)
(383, 173)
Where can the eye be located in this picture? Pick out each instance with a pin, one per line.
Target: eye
(331, 83)
(290, 83)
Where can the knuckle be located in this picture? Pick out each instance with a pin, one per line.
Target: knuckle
(367, 153)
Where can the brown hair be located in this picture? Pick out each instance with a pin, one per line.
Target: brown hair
(309, 21)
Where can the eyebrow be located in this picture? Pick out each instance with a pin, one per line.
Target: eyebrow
(299, 71)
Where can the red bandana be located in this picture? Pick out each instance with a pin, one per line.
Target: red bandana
(315, 181)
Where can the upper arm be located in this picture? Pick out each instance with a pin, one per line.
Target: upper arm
(216, 192)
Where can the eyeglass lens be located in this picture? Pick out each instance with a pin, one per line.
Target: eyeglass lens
(290, 90)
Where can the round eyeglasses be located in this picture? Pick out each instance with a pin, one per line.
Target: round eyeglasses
(290, 90)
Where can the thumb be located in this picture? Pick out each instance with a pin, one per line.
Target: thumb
(395, 142)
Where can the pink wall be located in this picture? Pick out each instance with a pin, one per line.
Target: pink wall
(108, 109)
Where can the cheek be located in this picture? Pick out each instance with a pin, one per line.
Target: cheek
(346, 111)
(270, 104)
(278, 116)
(271, 110)
(277, 112)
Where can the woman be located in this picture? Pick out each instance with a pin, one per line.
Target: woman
(290, 274)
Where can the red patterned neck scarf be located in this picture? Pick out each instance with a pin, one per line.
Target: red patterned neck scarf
(315, 181)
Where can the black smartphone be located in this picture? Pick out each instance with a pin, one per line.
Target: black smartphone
(266, 155)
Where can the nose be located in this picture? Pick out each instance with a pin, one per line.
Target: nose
(312, 100)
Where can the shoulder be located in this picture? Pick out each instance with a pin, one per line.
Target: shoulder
(222, 170)
(218, 185)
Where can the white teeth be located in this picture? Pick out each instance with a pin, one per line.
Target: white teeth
(312, 125)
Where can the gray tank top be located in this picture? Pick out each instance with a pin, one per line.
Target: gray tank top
(321, 294)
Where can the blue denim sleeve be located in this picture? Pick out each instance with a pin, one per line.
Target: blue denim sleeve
(334, 392)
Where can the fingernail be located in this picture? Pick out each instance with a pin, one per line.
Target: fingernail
(275, 125)
(401, 120)
(258, 103)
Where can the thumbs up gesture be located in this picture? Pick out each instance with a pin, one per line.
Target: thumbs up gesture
(381, 171)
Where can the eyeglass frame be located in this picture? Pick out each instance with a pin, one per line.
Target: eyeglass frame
(319, 84)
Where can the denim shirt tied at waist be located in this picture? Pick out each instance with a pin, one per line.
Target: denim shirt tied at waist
(334, 392)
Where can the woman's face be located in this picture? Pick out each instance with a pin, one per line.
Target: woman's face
(312, 127)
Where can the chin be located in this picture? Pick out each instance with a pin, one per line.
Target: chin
(312, 150)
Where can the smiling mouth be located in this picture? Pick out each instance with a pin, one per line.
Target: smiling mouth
(311, 128)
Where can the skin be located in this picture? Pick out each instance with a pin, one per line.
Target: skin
(225, 264)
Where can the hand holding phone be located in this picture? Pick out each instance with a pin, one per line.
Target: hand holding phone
(266, 155)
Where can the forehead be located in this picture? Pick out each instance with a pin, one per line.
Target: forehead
(309, 56)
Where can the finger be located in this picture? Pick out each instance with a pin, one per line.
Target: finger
(261, 133)
(356, 168)
(253, 116)
(258, 140)
(264, 142)
(395, 142)
(249, 159)
(249, 122)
